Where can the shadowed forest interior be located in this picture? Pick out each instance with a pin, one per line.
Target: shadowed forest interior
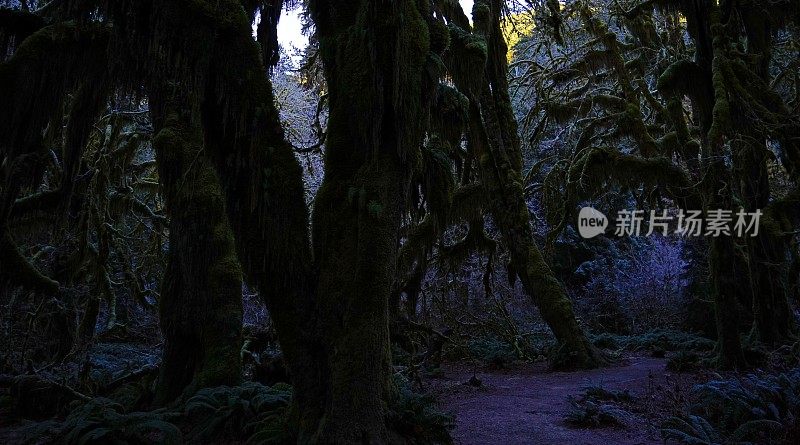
(433, 222)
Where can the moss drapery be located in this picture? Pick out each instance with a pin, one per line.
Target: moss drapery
(494, 142)
(374, 56)
(232, 182)
(47, 65)
(201, 306)
(712, 155)
(235, 194)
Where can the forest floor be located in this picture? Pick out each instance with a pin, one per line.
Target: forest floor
(529, 404)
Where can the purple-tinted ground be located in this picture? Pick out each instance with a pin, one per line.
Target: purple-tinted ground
(528, 405)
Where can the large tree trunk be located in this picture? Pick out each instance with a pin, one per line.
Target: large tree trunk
(725, 277)
(355, 242)
(495, 143)
(208, 47)
(725, 287)
(201, 298)
(773, 321)
(374, 56)
(767, 253)
(262, 180)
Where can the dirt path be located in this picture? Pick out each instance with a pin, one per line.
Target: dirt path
(528, 405)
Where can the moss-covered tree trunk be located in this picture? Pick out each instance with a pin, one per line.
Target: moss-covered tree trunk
(265, 202)
(773, 321)
(495, 143)
(725, 266)
(722, 259)
(356, 222)
(201, 301)
(374, 56)
(767, 253)
(726, 285)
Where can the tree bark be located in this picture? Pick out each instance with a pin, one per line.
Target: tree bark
(265, 203)
(773, 321)
(374, 56)
(726, 281)
(201, 301)
(494, 139)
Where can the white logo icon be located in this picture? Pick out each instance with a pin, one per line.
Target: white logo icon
(591, 222)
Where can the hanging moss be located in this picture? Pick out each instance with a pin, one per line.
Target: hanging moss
(466, 60)
(602, 165)
(554, 20)
(201, 304)
(449, 116)
(35, 81)
(436, 179)
(721, 113)
(593, 61)
(643, 29)
(440, 37)
(563, 112)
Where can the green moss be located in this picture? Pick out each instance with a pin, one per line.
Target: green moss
(466, 60)
(482, 16)
(375, 56)
(449, 115)
(201, 345)
(605, 164)
(678, 77)
(440, 37)
(46, 67)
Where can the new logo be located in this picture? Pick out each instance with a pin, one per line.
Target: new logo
(591, 222)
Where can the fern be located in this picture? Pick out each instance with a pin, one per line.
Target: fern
(754, 429)
(694, 430)
(592, 414)
(754, 409)
(416, 418)
(596, 407)
(102, 421)
(657, 340)
(231, 412)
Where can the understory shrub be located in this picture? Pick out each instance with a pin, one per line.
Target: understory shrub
(494, 352)
(248, 413)
(102, 421)
(657, 341)
(754, 409)
(636, 284)
(598, 407)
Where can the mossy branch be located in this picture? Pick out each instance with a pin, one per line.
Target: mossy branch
(630, 171)
(19, 271)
